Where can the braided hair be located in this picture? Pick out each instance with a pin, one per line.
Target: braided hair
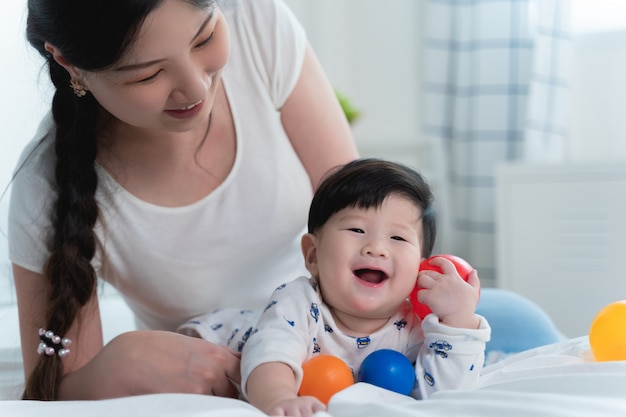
(91, 35)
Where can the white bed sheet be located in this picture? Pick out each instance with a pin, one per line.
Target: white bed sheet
(551, 381)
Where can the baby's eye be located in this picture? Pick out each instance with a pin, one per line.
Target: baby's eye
(356, 230)
(400, 238)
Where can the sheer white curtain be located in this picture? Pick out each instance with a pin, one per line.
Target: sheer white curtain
(495, 89)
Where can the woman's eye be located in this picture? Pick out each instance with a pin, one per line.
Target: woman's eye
(206, 41)
(150, 78)
(356, 230)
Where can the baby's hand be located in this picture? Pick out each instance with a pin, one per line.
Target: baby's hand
(297, 407)
(448, 296)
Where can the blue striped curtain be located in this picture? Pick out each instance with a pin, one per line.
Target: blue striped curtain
(495, 90)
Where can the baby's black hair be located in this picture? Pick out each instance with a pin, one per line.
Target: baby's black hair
(366, 183)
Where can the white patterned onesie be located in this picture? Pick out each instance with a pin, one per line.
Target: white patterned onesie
(296, 325)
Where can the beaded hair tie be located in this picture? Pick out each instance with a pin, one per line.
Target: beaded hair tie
(51, 344)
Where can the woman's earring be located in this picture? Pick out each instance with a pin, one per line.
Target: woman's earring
(77, 87)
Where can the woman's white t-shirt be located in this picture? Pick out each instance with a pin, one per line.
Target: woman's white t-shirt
(231, 248)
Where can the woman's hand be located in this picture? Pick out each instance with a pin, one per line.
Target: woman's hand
(147, 362)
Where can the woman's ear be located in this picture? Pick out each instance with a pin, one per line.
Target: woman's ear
(309, 251)
(60, 59)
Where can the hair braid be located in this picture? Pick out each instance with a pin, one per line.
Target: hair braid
(92, 44)
(68, 269)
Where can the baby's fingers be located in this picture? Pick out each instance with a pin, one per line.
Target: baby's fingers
(473, 280)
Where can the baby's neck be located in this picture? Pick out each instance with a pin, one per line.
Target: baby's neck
(357, 326)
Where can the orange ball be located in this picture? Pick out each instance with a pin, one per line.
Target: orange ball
(324, 376)
(607, 335)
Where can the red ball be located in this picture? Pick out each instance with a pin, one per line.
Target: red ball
(324, 376)
(462, 267)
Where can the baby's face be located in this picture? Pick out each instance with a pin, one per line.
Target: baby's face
(367, 259)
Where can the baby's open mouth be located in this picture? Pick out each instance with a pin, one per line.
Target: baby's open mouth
(372, 276)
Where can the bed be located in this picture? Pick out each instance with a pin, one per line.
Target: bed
(559, 379)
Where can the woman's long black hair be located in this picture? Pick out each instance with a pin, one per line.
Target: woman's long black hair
(91, 35)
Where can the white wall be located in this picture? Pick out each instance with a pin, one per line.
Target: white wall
(22, 104)
(370, 50)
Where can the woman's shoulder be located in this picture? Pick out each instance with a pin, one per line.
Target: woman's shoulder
(252, 8)
(268, 47)
(268, 21)
(38, 156)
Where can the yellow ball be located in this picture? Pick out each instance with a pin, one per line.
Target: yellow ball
(607, 335)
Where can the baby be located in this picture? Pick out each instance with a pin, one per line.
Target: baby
(371, 223)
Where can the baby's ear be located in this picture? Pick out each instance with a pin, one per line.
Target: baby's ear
(309, 251)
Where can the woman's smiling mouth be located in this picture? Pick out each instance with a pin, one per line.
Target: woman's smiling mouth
(191, 106)
(187, 111)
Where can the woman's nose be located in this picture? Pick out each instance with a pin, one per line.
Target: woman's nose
(192, 83)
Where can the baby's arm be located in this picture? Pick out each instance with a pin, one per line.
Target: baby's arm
(449, 358)
(271, 387)
(452, 353)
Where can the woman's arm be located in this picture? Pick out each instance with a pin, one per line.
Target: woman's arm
(32, 301)
(150, 362)
(140, 362)
(315, 122)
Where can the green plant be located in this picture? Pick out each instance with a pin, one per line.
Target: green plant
(351, 112)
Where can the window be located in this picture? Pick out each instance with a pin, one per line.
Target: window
(598, 16)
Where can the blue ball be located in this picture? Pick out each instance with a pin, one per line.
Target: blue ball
(388, 369)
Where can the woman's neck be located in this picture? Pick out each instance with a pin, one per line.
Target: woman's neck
(172, 168)
(154, 150)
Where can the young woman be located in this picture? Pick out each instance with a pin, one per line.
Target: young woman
(184, 143)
